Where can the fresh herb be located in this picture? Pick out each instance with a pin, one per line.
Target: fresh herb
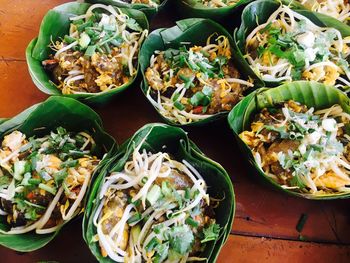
(133, 25)
(211, 233)
(200, 99)
(180, 239)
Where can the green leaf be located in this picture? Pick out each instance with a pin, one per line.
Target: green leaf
(311, 94)
(55, 25)
(179, 146)
(38, 121)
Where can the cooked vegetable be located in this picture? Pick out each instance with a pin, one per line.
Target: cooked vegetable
(339, 9)
(217, 3)
(187, 85)
(99, 54)
(44, 179)
(289, 46)
(153, 204)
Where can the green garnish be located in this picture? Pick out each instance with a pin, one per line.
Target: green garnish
(211, 233)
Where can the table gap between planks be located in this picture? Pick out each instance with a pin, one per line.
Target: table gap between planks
(264, 228)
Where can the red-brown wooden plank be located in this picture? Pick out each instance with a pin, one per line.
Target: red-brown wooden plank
(19, 24)
(242, 249)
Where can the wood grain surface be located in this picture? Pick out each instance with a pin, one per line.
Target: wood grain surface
(264, 228)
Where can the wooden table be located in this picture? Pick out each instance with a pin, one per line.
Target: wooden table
(264, 228)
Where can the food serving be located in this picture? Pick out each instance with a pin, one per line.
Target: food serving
(289, 47)
(99, 53)
(151, 3)
(302, 149)
(156, 209)
(190, 84)
(217, 3)
(339, 9)
(43, 180)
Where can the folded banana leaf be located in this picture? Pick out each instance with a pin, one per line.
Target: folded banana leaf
(40, 120)
(156, 138)
(55, 25)
(149, 11)
(193, 8)
(311, 94)
(194, 31)
(258, 12)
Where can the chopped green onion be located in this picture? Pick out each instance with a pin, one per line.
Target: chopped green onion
(69, 39)
(81, 27)
(301, 222)
(179, 105)
(135, 218)
(144, 180)
(187, 193)
(34, 205)
(107, 48)
(84, 40)
(69, 163)
(60, 176)
(65, 187)
(152, 244)
(47, 188)
(34, 181)
(90, 51)
(166, 189)
(154, 194)
(199, 98)
(19, 170)
(190, 221)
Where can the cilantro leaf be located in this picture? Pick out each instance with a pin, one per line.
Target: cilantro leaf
(211, 233)
(180, 239)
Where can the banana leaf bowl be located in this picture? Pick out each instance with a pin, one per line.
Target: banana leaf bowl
(40, 120)
(155, 138)
(193, 8)
(192, 31)
(258, 12)
(311, 94)
(54, 26)
(149, 11)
